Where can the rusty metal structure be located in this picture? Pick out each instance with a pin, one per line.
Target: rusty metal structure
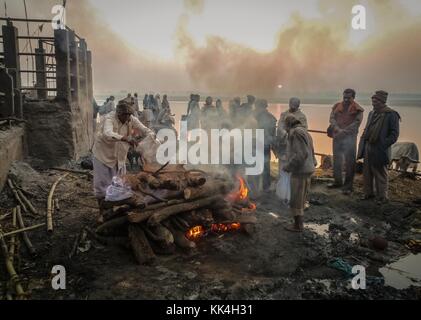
(61, 68)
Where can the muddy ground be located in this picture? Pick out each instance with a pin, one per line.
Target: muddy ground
(269, 264)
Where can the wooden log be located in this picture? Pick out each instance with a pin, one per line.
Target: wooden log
(209, 188)
(140, 245)
(117, 241)
(167, 212)
(50, 203)
(143, 215)
(180, 239)
(15, 193)
(134, 202)
(195, 179)
(109, 225)
(24, 234)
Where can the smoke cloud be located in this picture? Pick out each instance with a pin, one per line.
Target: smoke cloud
(313, 55)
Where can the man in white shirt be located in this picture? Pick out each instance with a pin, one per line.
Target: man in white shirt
(112, 142)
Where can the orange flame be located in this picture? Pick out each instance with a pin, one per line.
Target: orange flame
(195, 233)
(241, 193)
(198, 232)
(225, 227)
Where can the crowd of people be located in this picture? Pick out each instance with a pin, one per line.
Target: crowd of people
(156, 114)
(288, 138)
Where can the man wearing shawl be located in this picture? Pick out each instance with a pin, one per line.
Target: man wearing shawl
(380, 133)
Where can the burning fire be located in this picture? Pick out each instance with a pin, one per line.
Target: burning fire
(195, 233)
(241, 195)
(242, 192)
(238, 196)
(225, 227)
(198, 232)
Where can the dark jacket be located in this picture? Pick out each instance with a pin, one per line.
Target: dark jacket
(300, 152)
(267, 122)
(379, 152)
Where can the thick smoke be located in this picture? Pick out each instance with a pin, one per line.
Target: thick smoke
(314, 55)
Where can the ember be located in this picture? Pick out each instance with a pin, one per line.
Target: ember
(225, 227)
(198, 232)
(195, 233)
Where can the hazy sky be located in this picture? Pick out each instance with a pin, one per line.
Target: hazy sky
(150, 25)
(244, 46)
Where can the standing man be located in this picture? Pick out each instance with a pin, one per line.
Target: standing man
(112, 142)
(267, 122)
(380, 133)
(280, 144)
(301, 164)
(345, 120)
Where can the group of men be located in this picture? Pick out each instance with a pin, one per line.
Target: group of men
(380, 133)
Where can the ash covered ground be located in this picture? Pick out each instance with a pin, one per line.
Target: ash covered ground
(271, 263)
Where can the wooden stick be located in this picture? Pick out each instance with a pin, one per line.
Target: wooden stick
(10, 268)
(27, 202)
(160, 169)
(23, 230)
(25, 237)
(15, 193)
(50, 203)
(13, 239)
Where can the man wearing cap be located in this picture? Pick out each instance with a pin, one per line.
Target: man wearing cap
(112, 142)
(345, 120)
(380, 133)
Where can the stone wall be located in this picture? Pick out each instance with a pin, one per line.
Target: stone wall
(57, 132)
(12, 147)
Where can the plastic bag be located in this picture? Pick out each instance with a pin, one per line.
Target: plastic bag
(118, 191)
(283, 187)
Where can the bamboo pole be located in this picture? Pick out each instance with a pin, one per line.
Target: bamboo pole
(25, 237)
(50, 203)
(15, 193)
(23, 230)
(13, 238)
(27, 202)
(10, 268)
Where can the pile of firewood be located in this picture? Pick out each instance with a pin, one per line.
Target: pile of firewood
(173, 207)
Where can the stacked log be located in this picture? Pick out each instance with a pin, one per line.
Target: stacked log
(169, 201)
